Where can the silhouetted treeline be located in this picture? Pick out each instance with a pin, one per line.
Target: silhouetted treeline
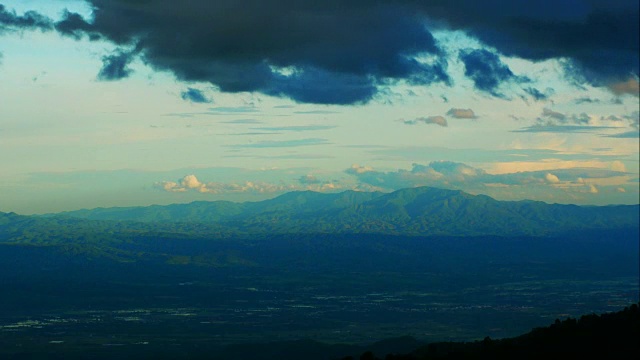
(607, 336)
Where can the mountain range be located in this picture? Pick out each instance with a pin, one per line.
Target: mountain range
(413, 211)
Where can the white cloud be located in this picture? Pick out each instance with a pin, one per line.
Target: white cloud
(172, 186)
(308, 182)
(552, 179)
(191, 182)
(618, 166)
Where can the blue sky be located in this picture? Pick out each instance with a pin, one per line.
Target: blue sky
(120, 103)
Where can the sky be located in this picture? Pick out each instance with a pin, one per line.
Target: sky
(140, 102)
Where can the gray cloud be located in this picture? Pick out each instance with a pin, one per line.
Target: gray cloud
(115, 66)
(316, 112)
(536, 94)
(487, 71)
(586, 100)
(634, 119)
(309, 179)
(30, 20)
(284, 143)
(550, 114)
(287, 156)
(233, 110)
(629, 87)
(553, 121)
(563, 128)
(462, 113)
(437, 120)
(254, 133)
(195, 96)
(297, 128)
(634, 134)
(243, 121)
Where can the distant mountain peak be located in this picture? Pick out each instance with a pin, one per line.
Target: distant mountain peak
(416, 211)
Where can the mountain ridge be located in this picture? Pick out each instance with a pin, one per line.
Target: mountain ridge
(420, 211)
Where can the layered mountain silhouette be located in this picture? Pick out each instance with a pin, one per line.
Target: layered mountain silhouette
(418, 211)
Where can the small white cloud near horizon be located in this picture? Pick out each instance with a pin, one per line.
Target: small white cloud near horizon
(552, 179)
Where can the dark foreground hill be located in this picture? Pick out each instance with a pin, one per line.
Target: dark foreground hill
(414, 211)
(607, 336)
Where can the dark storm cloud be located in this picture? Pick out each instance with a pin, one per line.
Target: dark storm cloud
(75, 26)
(600, 37)
(195, 96)
(115, 66)
(322, 87)
(486, 70)
(30, 20)
(340, 52)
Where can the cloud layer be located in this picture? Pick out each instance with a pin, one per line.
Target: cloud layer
(437, 120)
(447, 174)
(190, 183)
(549, 182)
